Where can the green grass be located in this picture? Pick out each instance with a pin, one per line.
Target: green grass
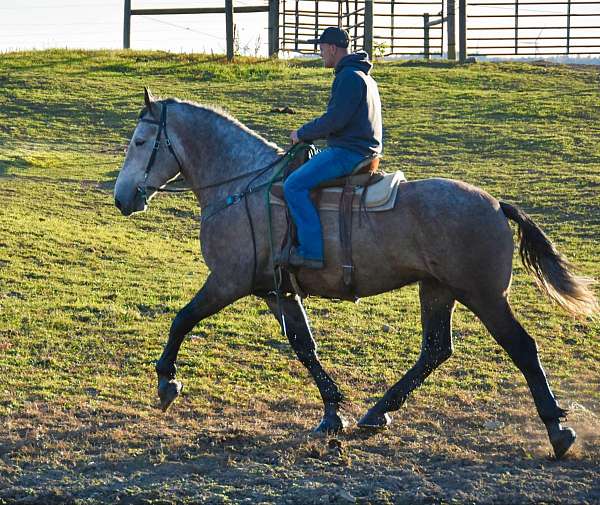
(86, 296)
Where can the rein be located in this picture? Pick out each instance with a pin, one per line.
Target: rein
(279, 164)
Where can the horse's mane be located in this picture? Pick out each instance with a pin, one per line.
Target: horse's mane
(221, 115)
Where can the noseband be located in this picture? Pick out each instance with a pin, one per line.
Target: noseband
(162, 127)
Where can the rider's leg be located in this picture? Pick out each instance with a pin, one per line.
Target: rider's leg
(328, 164)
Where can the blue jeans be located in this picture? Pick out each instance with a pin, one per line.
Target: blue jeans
(330, 163)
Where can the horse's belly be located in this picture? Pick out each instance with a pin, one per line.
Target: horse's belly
(383, 257)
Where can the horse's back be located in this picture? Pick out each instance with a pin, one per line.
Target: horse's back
(450, 196)
(439, 228)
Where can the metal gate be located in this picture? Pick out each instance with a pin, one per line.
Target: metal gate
(408, 28)
(306, 19)
(386, 27)
(533, 27)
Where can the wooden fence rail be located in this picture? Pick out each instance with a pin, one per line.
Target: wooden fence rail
(229, 9)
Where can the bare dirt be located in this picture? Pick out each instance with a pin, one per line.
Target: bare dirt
(458, 452)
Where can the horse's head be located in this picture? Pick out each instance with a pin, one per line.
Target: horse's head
(151, 161)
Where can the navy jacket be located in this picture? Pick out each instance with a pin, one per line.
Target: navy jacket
(353, 116)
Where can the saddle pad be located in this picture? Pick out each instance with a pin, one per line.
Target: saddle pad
(380, 196)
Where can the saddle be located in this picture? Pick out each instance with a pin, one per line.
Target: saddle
(370, 196)
(365, 189)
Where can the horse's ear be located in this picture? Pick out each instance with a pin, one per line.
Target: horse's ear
(149, 100)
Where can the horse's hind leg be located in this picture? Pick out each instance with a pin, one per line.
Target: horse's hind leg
(301, 340)
(437, 305)
(522, 349)
(213, 296)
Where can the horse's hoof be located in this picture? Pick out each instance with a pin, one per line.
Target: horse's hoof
(371, 421)
(168, 390)
(562, 441)
(331, 424)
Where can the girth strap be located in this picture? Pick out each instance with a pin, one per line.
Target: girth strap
(345, 225)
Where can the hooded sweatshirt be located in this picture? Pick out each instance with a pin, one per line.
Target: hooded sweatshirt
(353, 116)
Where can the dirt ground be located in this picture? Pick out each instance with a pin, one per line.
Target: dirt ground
(458, 452)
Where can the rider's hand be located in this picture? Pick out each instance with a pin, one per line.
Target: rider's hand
(294, 137)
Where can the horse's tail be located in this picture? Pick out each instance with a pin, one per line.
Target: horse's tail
(553, 272)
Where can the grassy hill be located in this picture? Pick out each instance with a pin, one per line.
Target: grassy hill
(86, 296)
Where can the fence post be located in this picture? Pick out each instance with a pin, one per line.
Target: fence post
(517, 27)
(229, 29)
(273, 28)
(462, 30)
(296, 25)
(569, 26)
(127, 25)
(426, 36)
(369, 28)
(451, 29)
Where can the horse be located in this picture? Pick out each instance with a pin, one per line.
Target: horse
(451, 238)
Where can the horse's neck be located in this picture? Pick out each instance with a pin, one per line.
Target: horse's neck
(219, 150)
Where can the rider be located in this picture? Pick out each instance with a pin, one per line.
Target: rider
(353, 128)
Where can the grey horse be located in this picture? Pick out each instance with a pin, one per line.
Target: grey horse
(450, 237)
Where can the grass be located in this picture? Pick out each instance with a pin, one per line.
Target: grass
(86, 296)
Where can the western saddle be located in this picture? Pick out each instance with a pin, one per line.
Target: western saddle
(363, 175)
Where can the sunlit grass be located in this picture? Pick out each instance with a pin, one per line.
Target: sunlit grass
(86, 296)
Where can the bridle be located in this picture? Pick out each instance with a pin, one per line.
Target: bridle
(162, 128)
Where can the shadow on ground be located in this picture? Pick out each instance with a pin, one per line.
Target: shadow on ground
(268, 454)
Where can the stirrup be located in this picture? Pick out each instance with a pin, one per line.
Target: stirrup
(289, 257)
(301, 262)
(282, 259)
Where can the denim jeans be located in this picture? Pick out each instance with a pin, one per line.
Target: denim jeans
(331, 163)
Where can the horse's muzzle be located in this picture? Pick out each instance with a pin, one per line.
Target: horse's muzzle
(137, 204)
(124, 210)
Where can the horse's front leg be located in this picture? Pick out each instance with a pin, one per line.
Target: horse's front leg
(301, 340)
(213, 296)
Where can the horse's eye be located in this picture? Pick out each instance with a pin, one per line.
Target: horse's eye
(139, 142)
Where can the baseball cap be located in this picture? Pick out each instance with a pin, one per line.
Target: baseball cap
(332, 35)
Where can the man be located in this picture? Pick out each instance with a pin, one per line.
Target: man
(352, 127)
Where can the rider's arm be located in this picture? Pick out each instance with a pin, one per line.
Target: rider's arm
(347, 92)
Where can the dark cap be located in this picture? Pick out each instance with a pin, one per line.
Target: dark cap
(332, 35)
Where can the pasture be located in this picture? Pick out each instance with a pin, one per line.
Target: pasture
(87, 296)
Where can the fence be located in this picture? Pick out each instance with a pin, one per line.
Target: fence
(372, 25)
(407, 28)
(305, 19)
(527, 28)
(419, 27)
(228, 9)
(428, 27)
